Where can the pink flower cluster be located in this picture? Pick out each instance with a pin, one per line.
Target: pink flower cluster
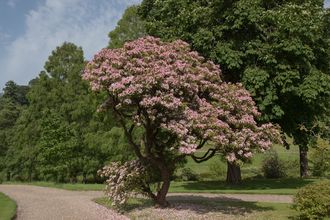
(175, 89)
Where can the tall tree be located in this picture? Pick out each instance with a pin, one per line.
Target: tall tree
(279, 50)
(12, 103)
(178, 101)
(16, 93)
(57, 89)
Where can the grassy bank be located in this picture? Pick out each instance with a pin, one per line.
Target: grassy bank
(7, 207)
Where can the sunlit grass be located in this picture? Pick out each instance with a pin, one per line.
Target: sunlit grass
(67, 186)
(7, 207)
(248, 186)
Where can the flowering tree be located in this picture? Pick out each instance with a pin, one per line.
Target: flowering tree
(179, 101)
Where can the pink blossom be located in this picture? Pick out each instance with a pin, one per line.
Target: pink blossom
(175, 89)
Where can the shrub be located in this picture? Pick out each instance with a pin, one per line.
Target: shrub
(320, 158)
(313, 201)
(188, 174)
(272, 166)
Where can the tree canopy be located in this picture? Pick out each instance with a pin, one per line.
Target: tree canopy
(129, 27)
(279, 50)
(179, 102)
(57, 135)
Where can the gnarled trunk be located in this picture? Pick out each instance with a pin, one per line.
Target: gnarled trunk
(303, 161)
(160, 199)
(233, 173)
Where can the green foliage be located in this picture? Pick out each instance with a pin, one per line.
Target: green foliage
(57, 134)
(313, 201)
(320, 158)
(129, 27)
(16, 93)
(59, 148)
(272, 166)
(217, 169)
(188, 174)
(12, 103)
(279, 50)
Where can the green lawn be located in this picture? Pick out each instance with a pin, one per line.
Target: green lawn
(7, 207)
(249, 170)
(204, 208)
(248, 186)
(213, 182)
(67, 186)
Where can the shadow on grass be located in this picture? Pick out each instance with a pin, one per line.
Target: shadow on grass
(224, 205)
(197, 204)
(249, 184)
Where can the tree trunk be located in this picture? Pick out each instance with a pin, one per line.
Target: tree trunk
(73, 179)
(303, 161)
(84, 180)
(8, 176)
(233, 173)
(161, 194)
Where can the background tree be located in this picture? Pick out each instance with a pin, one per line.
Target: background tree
(129, 27)
(279, 50)
(12, 103)
(178, 102)
(56, 136)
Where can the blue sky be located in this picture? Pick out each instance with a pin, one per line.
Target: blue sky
(31, 29)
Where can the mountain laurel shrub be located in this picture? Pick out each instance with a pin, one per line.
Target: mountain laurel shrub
(313, 200)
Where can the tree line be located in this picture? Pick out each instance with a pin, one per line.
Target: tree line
(50, 129)
(279, 51)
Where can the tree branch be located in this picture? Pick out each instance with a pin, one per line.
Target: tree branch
(131, 129)
(128, 133)
(202, 143)
(205, 157)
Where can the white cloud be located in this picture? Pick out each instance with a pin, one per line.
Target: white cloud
(4, 37)
(327, 3)
(11, 3)
(83, 22)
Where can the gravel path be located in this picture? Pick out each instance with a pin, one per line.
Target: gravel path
(40, 203)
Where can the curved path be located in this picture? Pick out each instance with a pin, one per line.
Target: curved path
(40, 203)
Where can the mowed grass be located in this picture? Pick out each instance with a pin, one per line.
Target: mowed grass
(204, 209)
(205, 170)
(7, 207)
(248, 186)
(66, 186)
